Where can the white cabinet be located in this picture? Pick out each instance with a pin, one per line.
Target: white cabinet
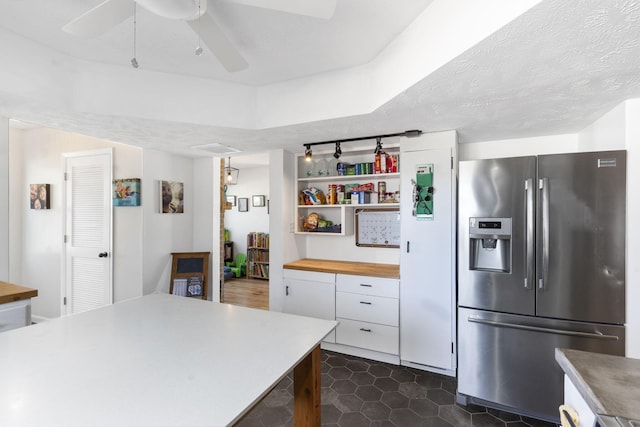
(311, 294)
(574, 400)
(427, 257)
(367, 310)
(321, 172)
(15, 314)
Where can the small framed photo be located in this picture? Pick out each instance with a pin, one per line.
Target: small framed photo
(231, 199)
(126, 192)
(39, 197)
(171, 197)
(257, 201)
(243, 204)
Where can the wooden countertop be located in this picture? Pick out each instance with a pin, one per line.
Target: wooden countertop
(609, 384)
(391, 271)
(10, 292)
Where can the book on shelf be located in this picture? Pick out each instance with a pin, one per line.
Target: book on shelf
(258, 240)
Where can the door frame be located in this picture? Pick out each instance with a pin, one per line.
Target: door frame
(64, 308)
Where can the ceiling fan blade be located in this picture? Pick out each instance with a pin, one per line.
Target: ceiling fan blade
(100, 19)
(218, 43)
(322, 9)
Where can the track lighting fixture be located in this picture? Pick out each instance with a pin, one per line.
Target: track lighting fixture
(378, 146)
(409, 134)
(338, 151)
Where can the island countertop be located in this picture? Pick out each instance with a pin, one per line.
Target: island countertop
(391, 271)
(609, 384)
(10, 292)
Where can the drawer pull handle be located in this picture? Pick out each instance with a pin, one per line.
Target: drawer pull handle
(365, 302)
(365, 285)
(365, 330)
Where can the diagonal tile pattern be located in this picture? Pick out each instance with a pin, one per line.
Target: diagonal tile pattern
(363, 393)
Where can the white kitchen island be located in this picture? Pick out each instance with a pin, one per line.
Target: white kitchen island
(159, 360)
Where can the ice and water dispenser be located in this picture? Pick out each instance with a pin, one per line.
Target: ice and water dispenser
(490, 244)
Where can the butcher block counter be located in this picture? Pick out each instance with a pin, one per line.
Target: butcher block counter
(10, 292)
(391, 271)
(15, 306)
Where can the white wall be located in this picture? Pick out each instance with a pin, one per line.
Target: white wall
(251, 181)
(519, 147)
(36, 238)
(206, 222)
(617, 130)
(4, 195)
(164, 233)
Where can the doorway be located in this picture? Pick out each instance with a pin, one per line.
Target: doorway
(246, 228)
(87, 261)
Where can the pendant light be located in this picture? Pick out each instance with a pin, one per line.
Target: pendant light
(231, 174)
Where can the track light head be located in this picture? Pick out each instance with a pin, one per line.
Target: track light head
(378, 146)
(307, 153)
(338, 151)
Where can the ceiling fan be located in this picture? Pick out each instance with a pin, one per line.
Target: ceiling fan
(110, 13)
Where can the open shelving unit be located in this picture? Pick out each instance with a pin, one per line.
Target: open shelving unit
(323, 172)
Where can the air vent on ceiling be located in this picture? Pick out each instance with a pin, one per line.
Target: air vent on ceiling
(216, 148)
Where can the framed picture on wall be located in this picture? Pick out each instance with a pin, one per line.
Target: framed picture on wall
(126, 192)
(231, 199)
(171, 197)
(243, 204)
(39, 196)
(257, 201)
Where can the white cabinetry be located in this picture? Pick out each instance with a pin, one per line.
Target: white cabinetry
(574, 400)
(427, 258)
(15, 314)
(312, 294)
(321, 172)
(368, 313)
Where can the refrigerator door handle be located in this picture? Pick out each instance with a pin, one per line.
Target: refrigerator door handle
(596, 334)
(543, 185)
(529, 252)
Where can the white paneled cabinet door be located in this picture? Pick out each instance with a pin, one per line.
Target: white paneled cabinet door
(427, 256)
(87, 259)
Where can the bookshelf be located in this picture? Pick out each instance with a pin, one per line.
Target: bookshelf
(258, 255)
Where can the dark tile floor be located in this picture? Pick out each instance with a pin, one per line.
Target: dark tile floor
(358, 392)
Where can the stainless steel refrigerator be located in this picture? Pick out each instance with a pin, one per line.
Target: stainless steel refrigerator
(541, 264)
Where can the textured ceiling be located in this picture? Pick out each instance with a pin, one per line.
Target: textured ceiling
(553, 70)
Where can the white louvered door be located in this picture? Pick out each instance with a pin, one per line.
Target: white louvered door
(87, 269)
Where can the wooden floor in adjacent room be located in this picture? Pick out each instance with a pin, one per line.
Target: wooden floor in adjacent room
(252, 293)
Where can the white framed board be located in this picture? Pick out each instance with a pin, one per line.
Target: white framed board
(378, 228)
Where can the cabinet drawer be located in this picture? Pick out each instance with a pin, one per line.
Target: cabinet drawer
(367, 308)
(14, 315)
(378, 286)
(368, 335)
(312, 276)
